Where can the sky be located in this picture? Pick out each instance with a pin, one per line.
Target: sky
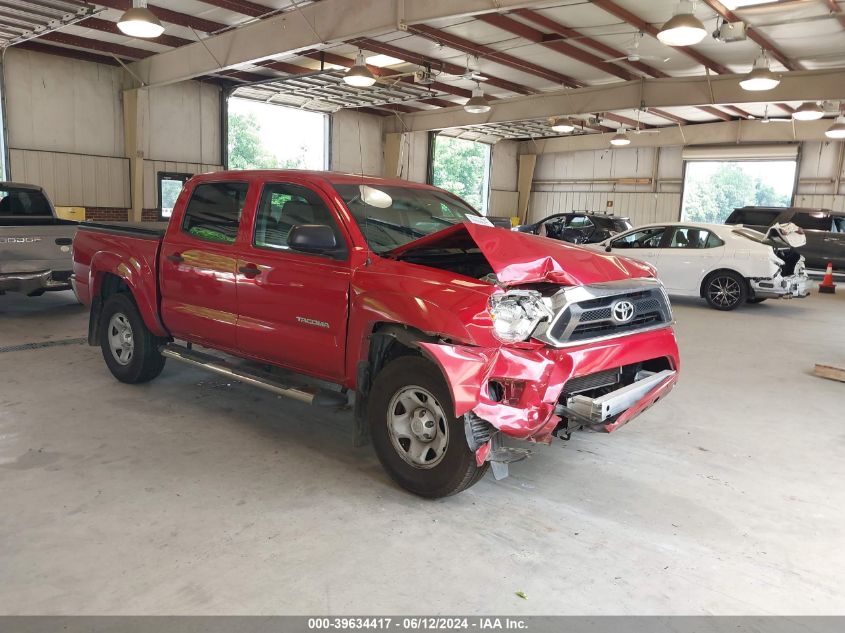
(285, 130)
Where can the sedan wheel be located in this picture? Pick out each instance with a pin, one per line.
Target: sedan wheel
(726, 291)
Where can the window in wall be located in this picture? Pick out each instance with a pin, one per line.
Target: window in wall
(462, 167)
(712, 189)
(264, 136)
(169, 187)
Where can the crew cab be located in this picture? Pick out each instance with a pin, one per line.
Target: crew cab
(452, 334)
(35, 245)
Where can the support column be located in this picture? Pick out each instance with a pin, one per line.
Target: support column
(134, 105)
(524, 180)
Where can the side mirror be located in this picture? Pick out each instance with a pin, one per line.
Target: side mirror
(313, 238)
(607, 247)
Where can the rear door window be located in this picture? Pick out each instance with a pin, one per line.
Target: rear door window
(214, 211)
(814, 221)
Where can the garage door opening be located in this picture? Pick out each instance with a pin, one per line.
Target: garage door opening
(716, 185)
(265, 136)
(462, 167)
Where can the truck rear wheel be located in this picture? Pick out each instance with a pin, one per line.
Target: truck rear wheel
(418, 440)
(129, 348)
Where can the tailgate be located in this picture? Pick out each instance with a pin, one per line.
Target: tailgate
(36, 248)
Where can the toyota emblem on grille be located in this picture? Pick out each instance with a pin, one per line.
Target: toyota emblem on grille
(622, 311)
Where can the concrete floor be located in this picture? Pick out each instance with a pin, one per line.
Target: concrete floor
(192, 495)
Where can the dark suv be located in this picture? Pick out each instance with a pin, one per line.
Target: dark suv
(825, 230)
(578, 227)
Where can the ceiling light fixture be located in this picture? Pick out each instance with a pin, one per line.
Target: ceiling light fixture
(359, 75)
(620, 139)
(477, 103)
(139, 21)
(837, 130)
(562, 125)
(808, 111)
(683, 28)
(761, 76)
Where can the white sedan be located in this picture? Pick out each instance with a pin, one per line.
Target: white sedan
(726, 265)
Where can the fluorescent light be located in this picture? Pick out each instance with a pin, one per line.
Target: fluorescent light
(477, 104)
(563, 126)
(381, 61)
(139, 21)
(683, 29)
(761, 77)
(359, 75)
(620, 138)
(808, 111)
(837, 130)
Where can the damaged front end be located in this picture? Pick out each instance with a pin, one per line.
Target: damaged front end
(588, 356)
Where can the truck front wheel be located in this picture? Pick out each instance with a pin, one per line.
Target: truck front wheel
(129, 348)
(418, 440)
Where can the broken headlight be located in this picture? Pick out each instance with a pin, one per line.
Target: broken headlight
(516, 313)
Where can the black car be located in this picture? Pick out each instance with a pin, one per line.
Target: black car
(579, 227)
(824, 229)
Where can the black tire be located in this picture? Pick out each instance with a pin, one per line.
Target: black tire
(145, 362)
(757, 300)
(725, 290)
(456, 470)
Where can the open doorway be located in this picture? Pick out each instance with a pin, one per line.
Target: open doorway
(712, 189)
(462, 167)
(265, 136)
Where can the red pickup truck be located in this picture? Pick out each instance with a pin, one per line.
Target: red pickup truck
(453, 334)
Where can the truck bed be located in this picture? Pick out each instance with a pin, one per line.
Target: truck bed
(154, 230)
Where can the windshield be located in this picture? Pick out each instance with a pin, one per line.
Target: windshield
(392, 216)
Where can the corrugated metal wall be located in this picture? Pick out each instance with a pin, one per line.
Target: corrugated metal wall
(641, 208)
(74, 180)
(823, 201)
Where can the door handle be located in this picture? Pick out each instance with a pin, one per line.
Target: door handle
(250, 270)
(176, 258)
(64, 241)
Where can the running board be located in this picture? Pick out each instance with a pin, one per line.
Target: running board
(256, 378)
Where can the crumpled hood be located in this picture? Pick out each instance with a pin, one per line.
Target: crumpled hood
(519, 258)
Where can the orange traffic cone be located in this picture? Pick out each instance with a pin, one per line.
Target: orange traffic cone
(827, 284)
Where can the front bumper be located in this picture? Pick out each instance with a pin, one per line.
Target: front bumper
(28, 283)
(517, 389)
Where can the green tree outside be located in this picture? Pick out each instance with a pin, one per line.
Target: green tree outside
(712, 199)
(461, 166)
(246, 150)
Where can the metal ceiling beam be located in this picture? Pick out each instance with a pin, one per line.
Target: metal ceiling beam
(836, 11)
(754, 35)
(243, 7)
(538, 37)
(491, 54)
(126, 52)
(643, 26)
(799, 85)
(72, 53)
(435, 64)
(314, 25)
(170, 16)
(730, 132)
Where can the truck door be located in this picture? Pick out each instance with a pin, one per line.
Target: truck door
(198, 266)
(293, 306)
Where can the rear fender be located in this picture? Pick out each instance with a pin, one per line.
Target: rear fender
(140, 280)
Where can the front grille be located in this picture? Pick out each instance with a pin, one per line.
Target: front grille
(585, 316)
(591, 381)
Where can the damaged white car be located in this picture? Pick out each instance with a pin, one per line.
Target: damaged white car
(725, 265)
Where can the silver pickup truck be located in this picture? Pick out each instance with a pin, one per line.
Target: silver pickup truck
(35, 245)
